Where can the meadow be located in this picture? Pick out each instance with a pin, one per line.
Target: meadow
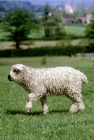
(59, 124)
(70, 29)
(75, 30)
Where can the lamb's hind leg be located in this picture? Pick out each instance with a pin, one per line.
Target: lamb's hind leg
(77, 103)
(44, 105)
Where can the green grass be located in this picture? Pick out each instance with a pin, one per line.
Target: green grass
(59, 124)
(71, 29)
(75, 30)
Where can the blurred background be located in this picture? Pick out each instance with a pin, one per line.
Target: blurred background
(63, 27)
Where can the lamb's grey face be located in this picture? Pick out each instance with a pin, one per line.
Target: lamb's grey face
(16, 72)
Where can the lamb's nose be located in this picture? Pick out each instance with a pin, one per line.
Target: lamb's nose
(9, 78)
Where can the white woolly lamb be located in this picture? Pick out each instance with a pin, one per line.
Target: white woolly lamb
(49, 81)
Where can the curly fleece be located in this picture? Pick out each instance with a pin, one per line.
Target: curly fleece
(50, 81)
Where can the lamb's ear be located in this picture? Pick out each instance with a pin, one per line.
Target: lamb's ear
(20, 67)
(16, 70)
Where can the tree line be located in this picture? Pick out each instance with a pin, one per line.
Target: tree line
(19, 24)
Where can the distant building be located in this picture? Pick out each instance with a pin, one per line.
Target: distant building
(88, 18)
(85, 19)
(81, 20)
(68, 20)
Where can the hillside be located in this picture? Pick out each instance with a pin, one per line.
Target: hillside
(26, 5)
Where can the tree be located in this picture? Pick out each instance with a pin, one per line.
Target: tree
(18, 23)
(46, 17)
(51, 21)
(47, 11)
(89, 32)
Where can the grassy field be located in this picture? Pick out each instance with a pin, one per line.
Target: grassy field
(75, 30)
(70, 29)
(59, 124)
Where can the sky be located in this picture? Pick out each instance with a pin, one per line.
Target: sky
(51, 2)
(45, 1)
(57, 2)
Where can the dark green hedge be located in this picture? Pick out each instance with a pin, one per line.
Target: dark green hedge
(51, 51)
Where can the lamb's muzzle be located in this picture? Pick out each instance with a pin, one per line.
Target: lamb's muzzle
(9, 78)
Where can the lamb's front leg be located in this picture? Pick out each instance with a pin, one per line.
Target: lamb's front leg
(44, 105)
(31, 97)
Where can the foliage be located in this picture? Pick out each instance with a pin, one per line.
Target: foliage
(72, 31)
(58, 124)
(44, 61)
(42, 51)
(18, 23)
(51, 23)
(89, 33)
(47, 23)
(47, 10)
(90, 46)
(90, 29)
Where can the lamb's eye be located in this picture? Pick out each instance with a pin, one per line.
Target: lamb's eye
(16, 71)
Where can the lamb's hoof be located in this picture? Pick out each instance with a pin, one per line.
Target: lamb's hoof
(74, 108)
(45, 113)
(81, 107)
(72, 111)
(27, 110)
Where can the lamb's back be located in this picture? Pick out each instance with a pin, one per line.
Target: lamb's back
(56, 79)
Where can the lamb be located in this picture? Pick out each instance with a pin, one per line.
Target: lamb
(49, 81)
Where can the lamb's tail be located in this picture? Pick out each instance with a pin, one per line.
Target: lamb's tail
(84, 78)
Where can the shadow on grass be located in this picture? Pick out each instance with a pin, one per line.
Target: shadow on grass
(19, 112)
(36, 113)
(59, 111)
